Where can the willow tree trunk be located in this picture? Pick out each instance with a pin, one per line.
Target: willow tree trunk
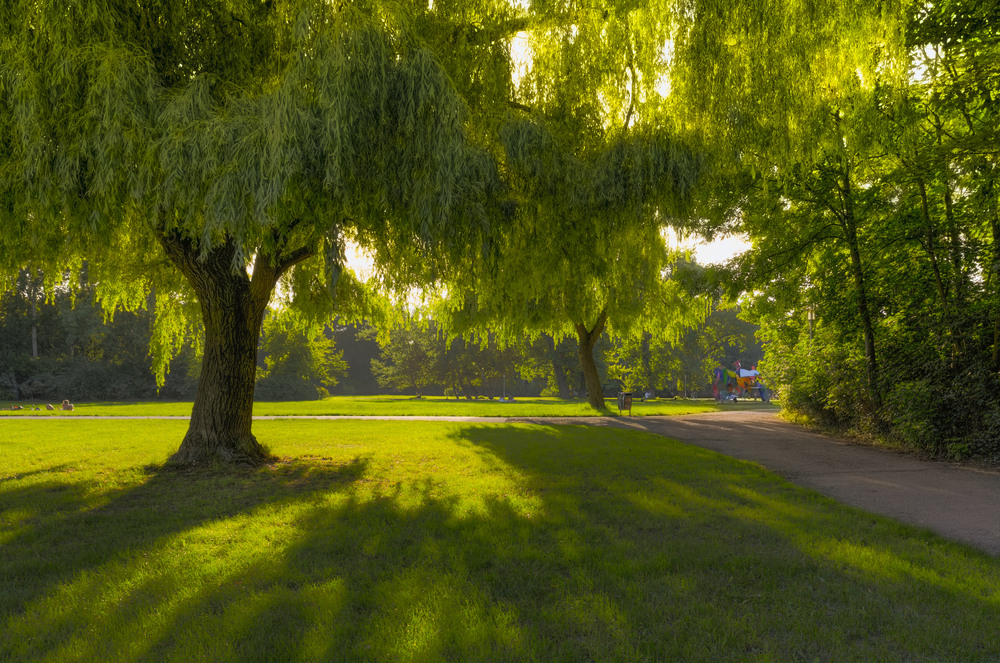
(587, 339)
(233, 307)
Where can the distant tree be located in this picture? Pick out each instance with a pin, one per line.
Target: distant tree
(359, 347)
(474, 367)
(407, 360)
(684, 364)
(56, 343)
(298, 362)
(555, 363)
(721, 340)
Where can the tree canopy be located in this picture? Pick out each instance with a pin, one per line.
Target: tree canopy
(524, 157)
(244, 143)
(595, 171)
(887, 234)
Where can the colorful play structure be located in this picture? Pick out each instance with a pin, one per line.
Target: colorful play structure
(730, 385)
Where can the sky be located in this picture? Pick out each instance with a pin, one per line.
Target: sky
(720, 250)
(705, 253)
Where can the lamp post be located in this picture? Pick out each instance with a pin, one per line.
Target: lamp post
(811, 314)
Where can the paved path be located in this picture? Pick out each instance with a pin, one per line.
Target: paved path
(959, 502)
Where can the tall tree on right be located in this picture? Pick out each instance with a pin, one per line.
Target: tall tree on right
(785, 94)
(876, 199)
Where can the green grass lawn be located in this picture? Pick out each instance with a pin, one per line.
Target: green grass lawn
(397, 406)
(431, 541)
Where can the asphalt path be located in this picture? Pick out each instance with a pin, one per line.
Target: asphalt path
(957, 501)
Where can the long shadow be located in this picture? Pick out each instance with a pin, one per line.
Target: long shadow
(77, 526)
(635, 497)
(601, 546)
(32, 473)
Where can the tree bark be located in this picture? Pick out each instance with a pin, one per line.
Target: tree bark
(233, 307)
(955, 249)
(34, 324)
(858, 272)
(562, 383)
(995, 230)
(32, 283)
(587, 339)
(931, 242)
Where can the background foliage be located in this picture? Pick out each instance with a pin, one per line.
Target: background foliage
(888, 232)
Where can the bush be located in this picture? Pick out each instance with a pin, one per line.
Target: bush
(968, 412)
(819, 378)
(944, 412)
(911, 409)
(939, 389)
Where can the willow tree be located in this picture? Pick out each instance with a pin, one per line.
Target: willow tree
(594, 171)
(213, 150)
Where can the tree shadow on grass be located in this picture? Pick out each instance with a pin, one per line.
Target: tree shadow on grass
(63, 529)
(591, 545)
(755, 546)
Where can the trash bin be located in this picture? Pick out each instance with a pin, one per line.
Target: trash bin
(624, 401)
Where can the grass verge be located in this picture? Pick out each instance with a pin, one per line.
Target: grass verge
(396, 406)
(395, 541)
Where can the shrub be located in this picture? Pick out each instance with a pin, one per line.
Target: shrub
(911, 409)
(819, 378)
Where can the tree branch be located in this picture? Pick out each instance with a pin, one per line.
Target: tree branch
(519, 106)
(295, 257)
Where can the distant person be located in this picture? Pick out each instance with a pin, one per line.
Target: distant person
(66, 405)
(49, 406)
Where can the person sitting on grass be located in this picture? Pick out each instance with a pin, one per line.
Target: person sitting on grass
(66, 405)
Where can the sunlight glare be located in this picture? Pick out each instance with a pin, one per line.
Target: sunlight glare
(720, 250)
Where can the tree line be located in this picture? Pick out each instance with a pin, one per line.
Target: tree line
(874, 273)
(59, 344)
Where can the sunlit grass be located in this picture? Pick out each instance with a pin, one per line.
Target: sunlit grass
(403, 541)
(398, 406)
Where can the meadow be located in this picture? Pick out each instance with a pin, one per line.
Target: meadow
(449, 541)
(392, 406)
